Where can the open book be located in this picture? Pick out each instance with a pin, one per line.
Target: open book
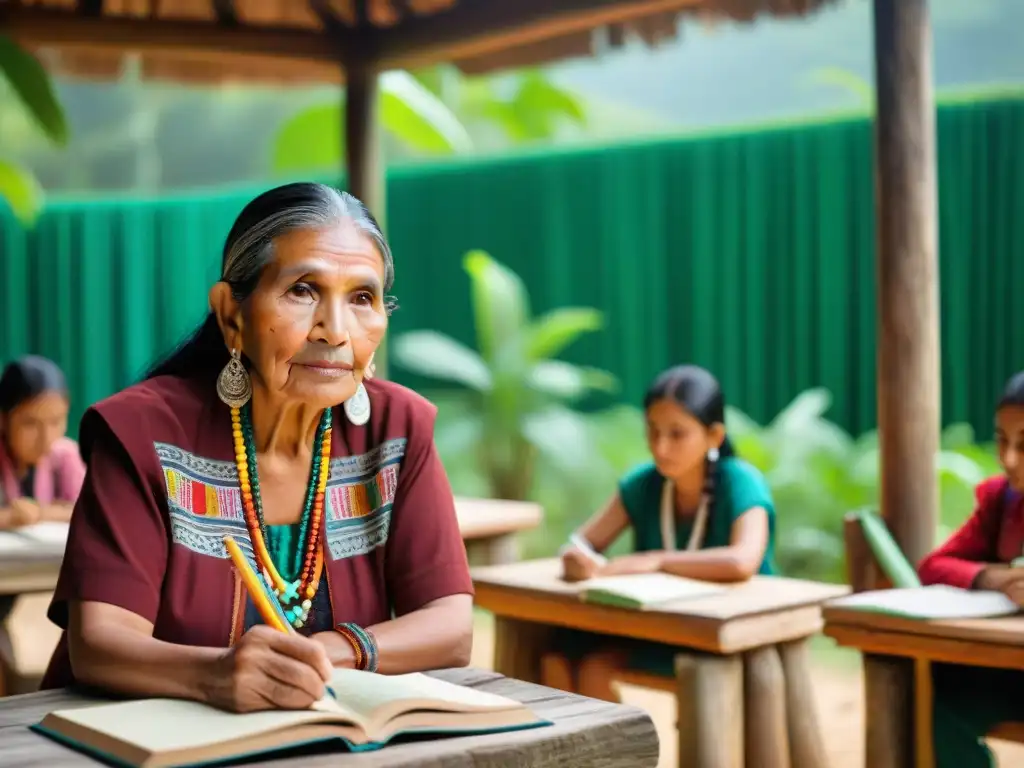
(370, 709)
(645, 590)
(39, 537)
(933, 602)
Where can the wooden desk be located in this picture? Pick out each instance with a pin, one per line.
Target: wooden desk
(898, 654)
(27, 566)
(760, 625)
(490, 527)
(584, 732)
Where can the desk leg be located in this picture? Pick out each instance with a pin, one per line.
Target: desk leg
(710, 704)
(764, 691)
(7, 662)
(806, 746)
(888, 710)
(498, 550)
(518, 647)
(924, 701)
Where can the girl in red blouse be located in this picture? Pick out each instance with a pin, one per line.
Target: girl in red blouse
(970, 701)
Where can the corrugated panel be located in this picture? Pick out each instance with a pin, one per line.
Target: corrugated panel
(750, 253)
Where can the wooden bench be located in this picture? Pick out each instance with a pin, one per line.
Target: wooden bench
(490, 527)
(873, 561)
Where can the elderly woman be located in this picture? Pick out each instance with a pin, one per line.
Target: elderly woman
(41, 470)
(346, 511)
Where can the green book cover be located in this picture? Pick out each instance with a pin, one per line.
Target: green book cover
(371, 710)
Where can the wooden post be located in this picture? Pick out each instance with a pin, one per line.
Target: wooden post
(806, 746)
(907, 265)
(888, 708)
(765, 712)
(709, 699)
(366, 177)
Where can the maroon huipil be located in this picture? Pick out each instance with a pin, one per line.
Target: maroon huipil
(161, 491)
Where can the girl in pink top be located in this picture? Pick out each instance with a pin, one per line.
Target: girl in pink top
(41, 471)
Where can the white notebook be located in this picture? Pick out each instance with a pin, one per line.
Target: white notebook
(933, 602)
(47, 536)
(645, 590)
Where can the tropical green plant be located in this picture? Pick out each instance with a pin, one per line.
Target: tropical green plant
(511, 413)
(817, 472)
(26, 78)
(431, 112)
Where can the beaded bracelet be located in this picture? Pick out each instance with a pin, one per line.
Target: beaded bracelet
(363, 643)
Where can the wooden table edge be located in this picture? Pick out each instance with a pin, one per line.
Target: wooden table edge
(928, 647)
(703, 633)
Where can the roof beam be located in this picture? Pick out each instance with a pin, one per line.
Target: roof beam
(476, 28)
(47, 28)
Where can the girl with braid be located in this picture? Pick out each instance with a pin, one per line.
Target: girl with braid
(696, 510)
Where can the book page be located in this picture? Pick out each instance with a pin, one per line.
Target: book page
(32, 538)
(651, 588)
(380, 697)
(51, 533)
(162, 725)
(934, 602)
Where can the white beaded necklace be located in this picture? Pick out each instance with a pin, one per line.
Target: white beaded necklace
(668, 519)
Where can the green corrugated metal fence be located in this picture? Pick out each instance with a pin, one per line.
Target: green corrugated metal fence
(750, 253)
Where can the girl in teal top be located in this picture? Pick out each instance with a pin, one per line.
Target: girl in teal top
(696, 510)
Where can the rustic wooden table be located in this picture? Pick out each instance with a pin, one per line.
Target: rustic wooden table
(585, 732)
(27, 566)
(491, 527)
(898, 654)
(733, 698)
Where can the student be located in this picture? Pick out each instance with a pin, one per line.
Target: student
(970, 701)
(696, 510)
(41, 471)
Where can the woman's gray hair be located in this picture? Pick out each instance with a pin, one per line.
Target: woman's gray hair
(304, 205)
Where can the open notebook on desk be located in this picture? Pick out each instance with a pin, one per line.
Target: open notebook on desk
(370, 710)
(34, 537)
(932, 602)
(645, 590)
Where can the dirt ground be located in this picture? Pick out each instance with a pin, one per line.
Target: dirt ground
(836, 676)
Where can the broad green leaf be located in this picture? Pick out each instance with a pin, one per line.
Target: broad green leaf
(553, 331)
(500, 304)
(855, 85)
(412, 113)
(960, 467)
(458, 438)
(21, 191)
(566, 381)
(310, 140)
(809, 405)
(433, 354)
(957, 436)
(562, 437)
(29, 80)
(738, 423)
(539, 106)
(313, 139)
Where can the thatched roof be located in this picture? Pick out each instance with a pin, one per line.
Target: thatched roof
(306, 40)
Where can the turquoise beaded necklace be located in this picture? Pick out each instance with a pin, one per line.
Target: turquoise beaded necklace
(286, 543)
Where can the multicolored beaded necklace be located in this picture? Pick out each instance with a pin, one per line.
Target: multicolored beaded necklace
(297, 591)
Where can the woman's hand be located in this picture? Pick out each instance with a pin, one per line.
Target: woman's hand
(25, 512)
(268, 669)
(641, 562)
(576, 566)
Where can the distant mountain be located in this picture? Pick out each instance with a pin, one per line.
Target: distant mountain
(739, 73)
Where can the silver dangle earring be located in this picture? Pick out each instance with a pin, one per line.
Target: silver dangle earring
(234, 387)
(357, 407)
(713, 455)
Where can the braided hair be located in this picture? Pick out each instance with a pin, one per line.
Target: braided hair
(697, 392)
